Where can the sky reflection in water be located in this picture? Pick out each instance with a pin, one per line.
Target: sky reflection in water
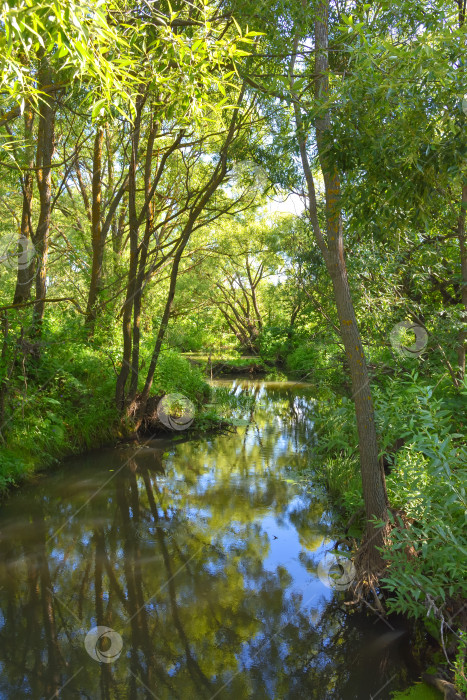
(202, 555)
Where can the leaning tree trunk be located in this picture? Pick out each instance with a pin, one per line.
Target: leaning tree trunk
(332, 249)
(373, 479)
(162, 331)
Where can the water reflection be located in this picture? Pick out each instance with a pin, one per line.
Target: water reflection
(202, 555)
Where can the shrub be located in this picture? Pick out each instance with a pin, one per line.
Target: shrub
(428, 483)
(275, 343)
(175, 373)
(319, 361)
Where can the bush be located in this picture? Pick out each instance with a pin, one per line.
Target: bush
(322, 362)
(343, 481)
(175, 373)
(428, 482)
(186, 339)
(68, 407)
(275, 343)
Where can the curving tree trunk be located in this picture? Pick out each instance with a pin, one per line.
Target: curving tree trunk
(331, 245)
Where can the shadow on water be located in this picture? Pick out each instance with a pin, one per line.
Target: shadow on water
(202, 556)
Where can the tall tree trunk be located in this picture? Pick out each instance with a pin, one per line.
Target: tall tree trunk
(332, 249)
(96, 229)
(162, 328)
(45, 146)
(118, 228)
(25, 274)
(142, 266)
(133, 267)
(118, 220)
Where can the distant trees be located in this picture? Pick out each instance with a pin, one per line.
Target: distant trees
(244, 263)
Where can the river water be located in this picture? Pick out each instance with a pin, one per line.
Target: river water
(197, 560)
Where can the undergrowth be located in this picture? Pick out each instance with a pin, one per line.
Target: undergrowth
(69, 406)
(422, 438)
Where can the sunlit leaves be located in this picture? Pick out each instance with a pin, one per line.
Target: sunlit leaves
(114, 49)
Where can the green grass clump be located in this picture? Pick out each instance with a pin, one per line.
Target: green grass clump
(420, 691)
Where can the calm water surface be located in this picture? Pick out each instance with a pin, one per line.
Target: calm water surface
(202, 557)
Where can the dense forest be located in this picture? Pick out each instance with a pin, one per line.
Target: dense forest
(279, 189)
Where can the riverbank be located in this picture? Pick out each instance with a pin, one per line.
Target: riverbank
(423, 452)
(74, 411)
(215, 365)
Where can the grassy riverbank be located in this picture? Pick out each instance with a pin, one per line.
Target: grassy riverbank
(421, 426)
(69, 408)
(230, 363)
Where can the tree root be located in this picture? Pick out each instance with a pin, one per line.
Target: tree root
(363, 588)
(369, 563)
(369, 567)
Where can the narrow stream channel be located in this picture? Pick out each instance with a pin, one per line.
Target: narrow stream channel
(201, 557)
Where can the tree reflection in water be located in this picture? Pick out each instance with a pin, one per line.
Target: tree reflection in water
(202, 555)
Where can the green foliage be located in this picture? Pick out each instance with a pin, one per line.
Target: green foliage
(187, 337)
(428, 482)
(177, 374)
(334, 454)
(77, 37)
(309, 359)
(69, 407)
(313, 360)
(343, 482)
(111, 48)
(420, 691)
(275, 343)
(460, 671)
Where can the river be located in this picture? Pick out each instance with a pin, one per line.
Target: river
(197, 562)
